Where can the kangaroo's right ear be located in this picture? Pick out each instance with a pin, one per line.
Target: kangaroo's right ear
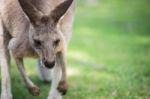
(60, 10)
(33, 13)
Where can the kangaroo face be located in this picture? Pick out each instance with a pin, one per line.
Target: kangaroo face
(44, 37)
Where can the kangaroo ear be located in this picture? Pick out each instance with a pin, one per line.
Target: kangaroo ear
(33, 13)
(60, 10)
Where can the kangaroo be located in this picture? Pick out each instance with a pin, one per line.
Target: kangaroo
(40, 29)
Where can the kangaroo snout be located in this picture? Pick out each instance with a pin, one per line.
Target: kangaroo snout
(49, 65)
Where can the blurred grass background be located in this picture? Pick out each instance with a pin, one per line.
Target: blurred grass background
(108, 56)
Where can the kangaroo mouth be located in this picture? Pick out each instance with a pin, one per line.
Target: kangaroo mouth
(47, 65)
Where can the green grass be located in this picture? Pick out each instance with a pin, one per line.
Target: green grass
(108, 56)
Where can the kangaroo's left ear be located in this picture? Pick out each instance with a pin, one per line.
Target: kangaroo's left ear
(60, 10)
(31, 11)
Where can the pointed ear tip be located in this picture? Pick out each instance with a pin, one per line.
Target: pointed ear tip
(60, 10)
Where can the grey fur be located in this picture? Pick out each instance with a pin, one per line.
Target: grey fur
(24, 21)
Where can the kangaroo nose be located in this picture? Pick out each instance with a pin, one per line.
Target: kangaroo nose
(49, 64)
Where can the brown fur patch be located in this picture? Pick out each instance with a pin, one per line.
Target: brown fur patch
(34, 90)
(62, 87)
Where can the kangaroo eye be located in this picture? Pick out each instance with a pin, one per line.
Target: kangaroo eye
(56, 42)
(37, 44)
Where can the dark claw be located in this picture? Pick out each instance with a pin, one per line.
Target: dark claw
(35, 91)
(62, 87)
(62, 91)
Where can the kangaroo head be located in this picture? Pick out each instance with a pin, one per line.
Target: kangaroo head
(44, 36)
